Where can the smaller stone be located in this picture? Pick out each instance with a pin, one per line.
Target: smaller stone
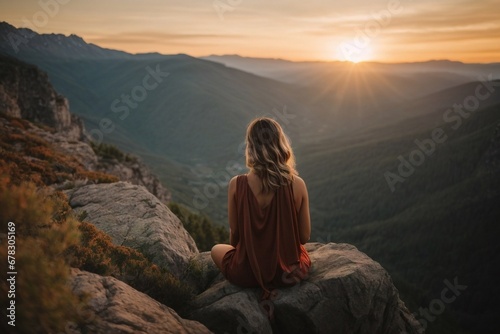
(115, 307)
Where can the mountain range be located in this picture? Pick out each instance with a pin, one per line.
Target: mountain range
(351, 125)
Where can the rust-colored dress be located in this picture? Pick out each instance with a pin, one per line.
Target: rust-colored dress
(268, 252)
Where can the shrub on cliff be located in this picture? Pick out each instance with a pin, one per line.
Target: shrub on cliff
(44, 229)
(109, 151)
(48, 241)
(25, 156)
(97, 253)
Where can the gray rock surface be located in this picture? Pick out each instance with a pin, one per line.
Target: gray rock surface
(346, 292)
(134, 217)
(135, 172)
(76, 148)
(115, 307)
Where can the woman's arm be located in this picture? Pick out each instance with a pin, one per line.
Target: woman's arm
(231, 213)
(302, 198)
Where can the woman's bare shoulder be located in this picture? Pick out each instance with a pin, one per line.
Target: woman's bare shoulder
(232, 184)
(298, 179)
(299, 185)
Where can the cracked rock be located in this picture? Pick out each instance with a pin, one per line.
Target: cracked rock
(135, 218)
(346, 292)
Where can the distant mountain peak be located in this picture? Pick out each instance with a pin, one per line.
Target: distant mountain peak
(15, 41)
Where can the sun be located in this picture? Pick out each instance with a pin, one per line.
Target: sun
(354, 53)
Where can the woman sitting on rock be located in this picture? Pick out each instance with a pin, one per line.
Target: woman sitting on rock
(268, 211)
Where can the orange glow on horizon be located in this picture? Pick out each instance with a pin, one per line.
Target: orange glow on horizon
(415, 32)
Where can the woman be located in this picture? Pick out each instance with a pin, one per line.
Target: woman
(268, 211)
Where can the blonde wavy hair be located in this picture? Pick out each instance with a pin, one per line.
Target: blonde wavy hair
(269, 154)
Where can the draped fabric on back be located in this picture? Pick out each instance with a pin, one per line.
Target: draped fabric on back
(267, 240)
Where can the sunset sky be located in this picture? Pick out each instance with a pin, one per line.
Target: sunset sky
(356, 30)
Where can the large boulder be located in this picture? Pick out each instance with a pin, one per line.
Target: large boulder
(115, 307)
(346, 292)
(134, 217)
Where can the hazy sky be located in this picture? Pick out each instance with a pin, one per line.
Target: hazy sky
(380, 30)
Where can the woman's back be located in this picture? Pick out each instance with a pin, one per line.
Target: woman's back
(266, 237)
(301, 201)
(255, 184)
(268, 212)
